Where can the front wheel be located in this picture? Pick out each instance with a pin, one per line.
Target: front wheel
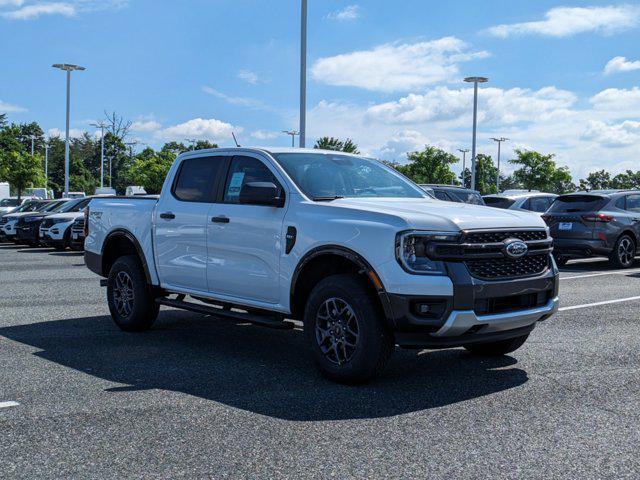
(494, 349)
(131, 302)
(345, 329)
(624, 252)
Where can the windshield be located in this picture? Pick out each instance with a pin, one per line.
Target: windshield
(323, 176)
(8, 202)
(473, 198)
(50, 207)
(498, 202)
(71, 205)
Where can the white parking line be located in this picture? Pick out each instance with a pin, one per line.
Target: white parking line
(614, 272)
(8, 404)
(606, 302)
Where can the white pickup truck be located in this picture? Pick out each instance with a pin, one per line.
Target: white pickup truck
(358, 253)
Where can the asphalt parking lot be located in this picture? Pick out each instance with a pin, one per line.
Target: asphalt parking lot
(196, 397)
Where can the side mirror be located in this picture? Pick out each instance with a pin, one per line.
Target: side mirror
(261, 193)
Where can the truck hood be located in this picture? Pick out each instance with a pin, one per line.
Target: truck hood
(13, 216)
(426, 214)
(66, 216)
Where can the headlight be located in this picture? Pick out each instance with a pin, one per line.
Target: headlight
(412, 251)
(60, 220)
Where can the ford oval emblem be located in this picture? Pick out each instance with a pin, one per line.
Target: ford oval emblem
(514, 248)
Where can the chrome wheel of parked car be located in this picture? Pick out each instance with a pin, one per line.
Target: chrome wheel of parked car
(337, 330)
(123, 296)
(626, 251)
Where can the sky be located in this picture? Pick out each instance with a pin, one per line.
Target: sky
(564, 77)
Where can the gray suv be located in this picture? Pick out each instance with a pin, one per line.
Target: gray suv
(596, 223)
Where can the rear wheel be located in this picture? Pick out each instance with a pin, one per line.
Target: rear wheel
(624, 252)
(345, 330)
(493, 349)
(131, 301)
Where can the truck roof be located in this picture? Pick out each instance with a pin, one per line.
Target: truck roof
(264, 149)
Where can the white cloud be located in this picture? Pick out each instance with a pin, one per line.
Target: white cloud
(621, 64)
(145, 126)
(32, 11)
(9, 108)
(498, 106)
(617, 135)
(199, 128)
(265, 134)
(248, 76)
(73, 133)
(347, 14)
(567, 21)
(617, 102)
(11, 3)
(241, 101)
(394, 66)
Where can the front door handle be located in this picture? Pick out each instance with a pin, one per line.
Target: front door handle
(220, 219)
(168, 215)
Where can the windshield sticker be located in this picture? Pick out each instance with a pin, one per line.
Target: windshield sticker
(235, 184)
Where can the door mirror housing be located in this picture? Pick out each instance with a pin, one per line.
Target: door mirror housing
(261, 193)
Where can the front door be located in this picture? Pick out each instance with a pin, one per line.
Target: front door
(181, 224)
(245, 242)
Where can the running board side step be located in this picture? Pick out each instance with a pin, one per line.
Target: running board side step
(263, 321)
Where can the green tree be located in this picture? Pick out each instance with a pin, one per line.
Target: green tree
(486, 173)
(174, 147)
(149, 169)
(540, 172)
(431, 165)
(626, 180)
(21, 170)
(596, 181)
(331, 143)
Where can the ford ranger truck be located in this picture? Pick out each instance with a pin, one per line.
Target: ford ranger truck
(362, 256)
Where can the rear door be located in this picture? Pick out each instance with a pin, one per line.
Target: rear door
(633, 209)
(181, 219)
(245, 241)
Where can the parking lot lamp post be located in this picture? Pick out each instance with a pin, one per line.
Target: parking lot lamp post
(293, 134)
(475, 81)
(303, 74)
(67, 67)
(464, 164)
(101, 126)
(499, 140)
(46, 165)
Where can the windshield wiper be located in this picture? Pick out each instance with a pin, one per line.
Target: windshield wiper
(326, 199)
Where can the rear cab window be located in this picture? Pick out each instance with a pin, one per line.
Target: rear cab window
(538, 204)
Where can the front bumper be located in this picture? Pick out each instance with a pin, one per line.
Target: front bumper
(28, 233)
(477, 311)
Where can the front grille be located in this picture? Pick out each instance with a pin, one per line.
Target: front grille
(46, 223)
(503, 268)
(513, 303)
(502, 235)
(3, 220)
(78, 226)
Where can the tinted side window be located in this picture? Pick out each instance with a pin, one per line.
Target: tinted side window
(538, 204)
(245, 170)
(633, 203)
(197, 178)
(621, 203)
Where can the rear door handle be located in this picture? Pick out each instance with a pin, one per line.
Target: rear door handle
(168, 215)
(220, 219)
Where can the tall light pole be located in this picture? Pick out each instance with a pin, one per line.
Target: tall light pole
(33, 138)
(46, 164)
(101, 126)
(475, 81)
(67, 67)
(192, 141)
(303, 73)
(499, 140)
(293, 134)
(464, 165)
